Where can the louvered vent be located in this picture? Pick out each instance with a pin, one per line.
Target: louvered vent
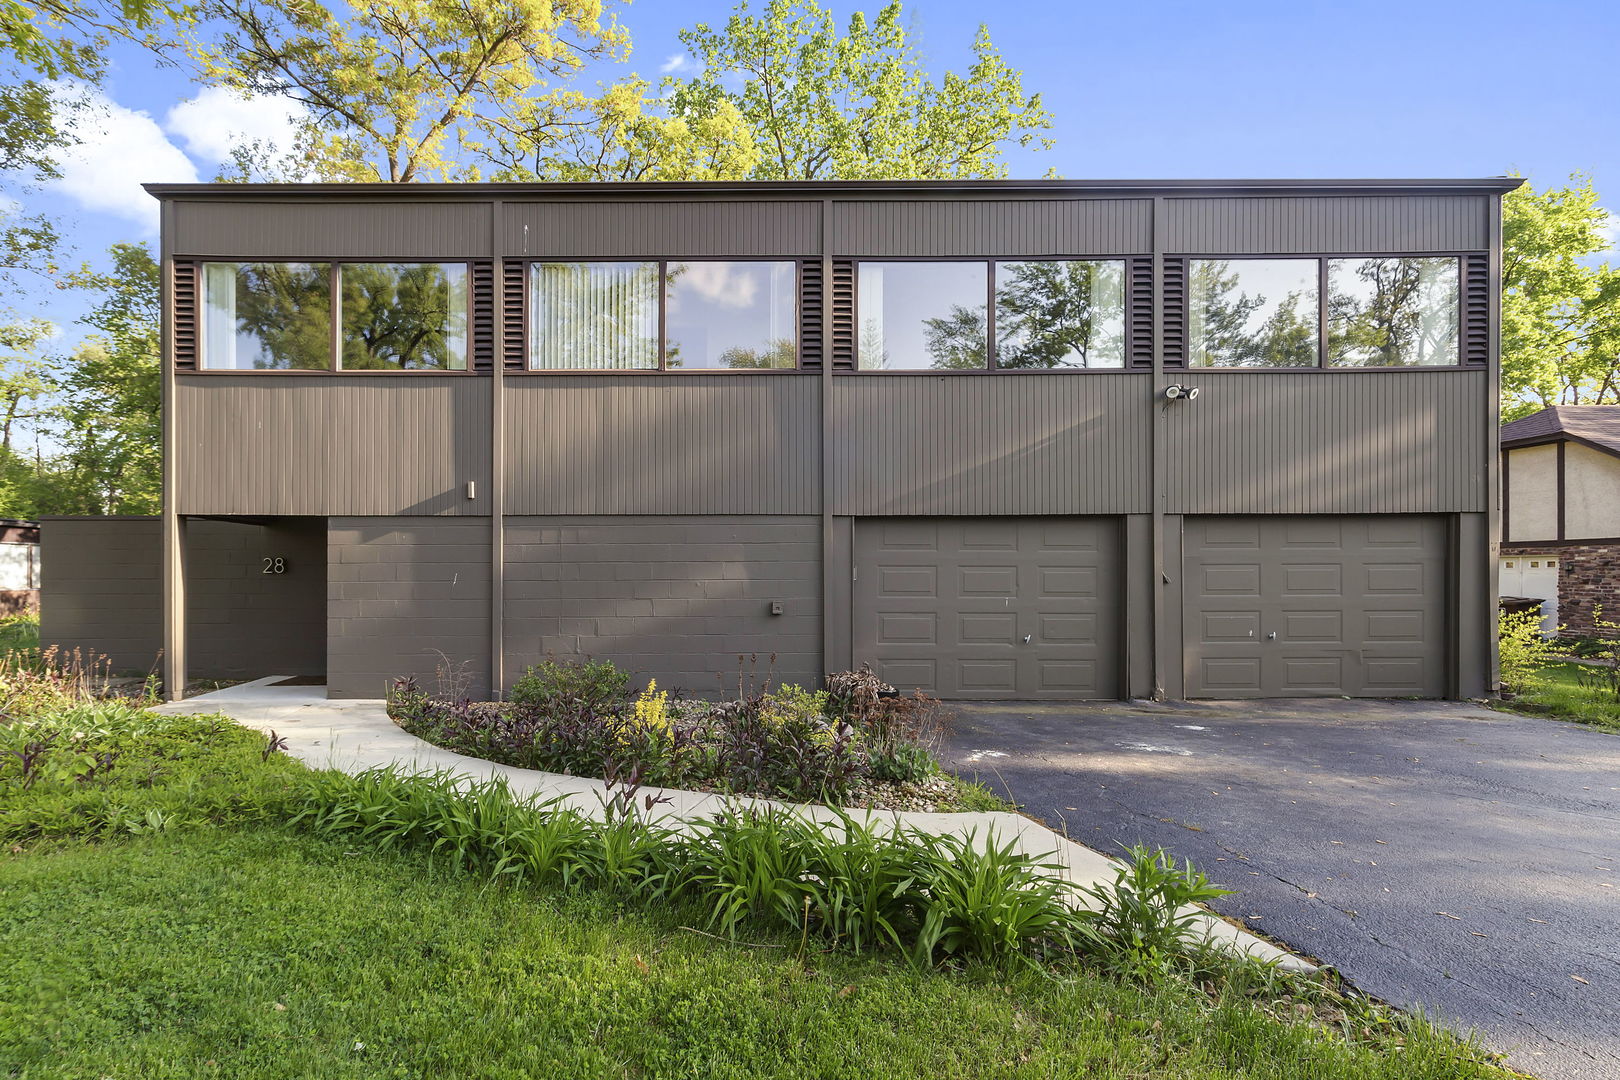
(1139, 313)
(514, 321)
(483, 315)
(811, 308)
(184, 300)
(843, 316)
(1475, 347)
(1175, 313)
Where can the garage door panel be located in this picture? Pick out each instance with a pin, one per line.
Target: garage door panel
(1000, 581)
(990, 536)
(1231, 625)
(1069, 678)
(1231, 675)
(917, 628)
(1313, 625)
(1068, 629)
(988, 676)
(908, 536)
(987, 629)
(1405, 579)
(1395, 675)
(1322, 580)
(1018, 607)
(1313, 674)
(1232, 532)
(1313, 532)
(1393, 626)
(915, 674)
(907, 581)
(1351, 606)
(1068, 581)
(1241, 579)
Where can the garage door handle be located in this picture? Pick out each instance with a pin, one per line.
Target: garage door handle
(1272, 636)
(1026, 638)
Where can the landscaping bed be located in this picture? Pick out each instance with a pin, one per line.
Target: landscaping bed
(855, 744)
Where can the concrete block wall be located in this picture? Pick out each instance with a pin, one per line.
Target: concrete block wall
(405, 595)
(101, 589)
(672, 598)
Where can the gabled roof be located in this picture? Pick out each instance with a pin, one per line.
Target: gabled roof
(1597, 426)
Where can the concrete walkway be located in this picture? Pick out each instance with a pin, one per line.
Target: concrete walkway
(355, 735)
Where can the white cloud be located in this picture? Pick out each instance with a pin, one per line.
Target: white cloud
(118, 150)
(678, 64)
(217, 120)
(722, 284)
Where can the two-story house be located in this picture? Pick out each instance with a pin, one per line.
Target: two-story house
(1002, 439)
(1561, 516)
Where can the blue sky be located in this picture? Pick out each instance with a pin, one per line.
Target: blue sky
(1171, 89)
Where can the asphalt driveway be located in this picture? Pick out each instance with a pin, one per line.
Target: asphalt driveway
(1435, 853)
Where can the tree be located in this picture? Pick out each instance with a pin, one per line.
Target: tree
(110, 417)
(784, 96)
(1560, 309)
(394, 87)
(65, 38)
(1060, 313)
(780, 353)
(958, 340)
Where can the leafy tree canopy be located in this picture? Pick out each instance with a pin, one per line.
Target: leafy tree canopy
(394, 88)
(1560, 307)
(783, 95)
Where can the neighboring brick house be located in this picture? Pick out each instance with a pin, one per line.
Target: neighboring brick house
(1561, 513)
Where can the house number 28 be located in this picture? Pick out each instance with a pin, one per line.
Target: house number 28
(275, 565)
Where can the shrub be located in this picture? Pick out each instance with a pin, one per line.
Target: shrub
(596, 684)
(904, 764)
(1145, 916)
(792, 743)
(108, 767)
(1523, 649)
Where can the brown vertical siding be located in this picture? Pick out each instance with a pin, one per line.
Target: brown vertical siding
(1358, 223)
(992, 444)
(603, 230)
(1340, 443)
(993, 227)
(328, 445)
(331, 230)
(662, 444)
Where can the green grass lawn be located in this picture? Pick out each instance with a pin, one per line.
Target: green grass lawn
(1556, 691)
(18, 633)
(264, 953)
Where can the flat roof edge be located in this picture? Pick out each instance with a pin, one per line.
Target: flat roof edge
(820, 189)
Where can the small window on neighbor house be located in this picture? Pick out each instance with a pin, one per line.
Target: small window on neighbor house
(1253, 312)
(1392, 312)
(403, 316)
(1509, 564)
(731, 315)
(267, 316)
(1534, 565)
(593, 316)
(1060, 314)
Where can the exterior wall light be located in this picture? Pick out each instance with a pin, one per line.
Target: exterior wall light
(1178, 392)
